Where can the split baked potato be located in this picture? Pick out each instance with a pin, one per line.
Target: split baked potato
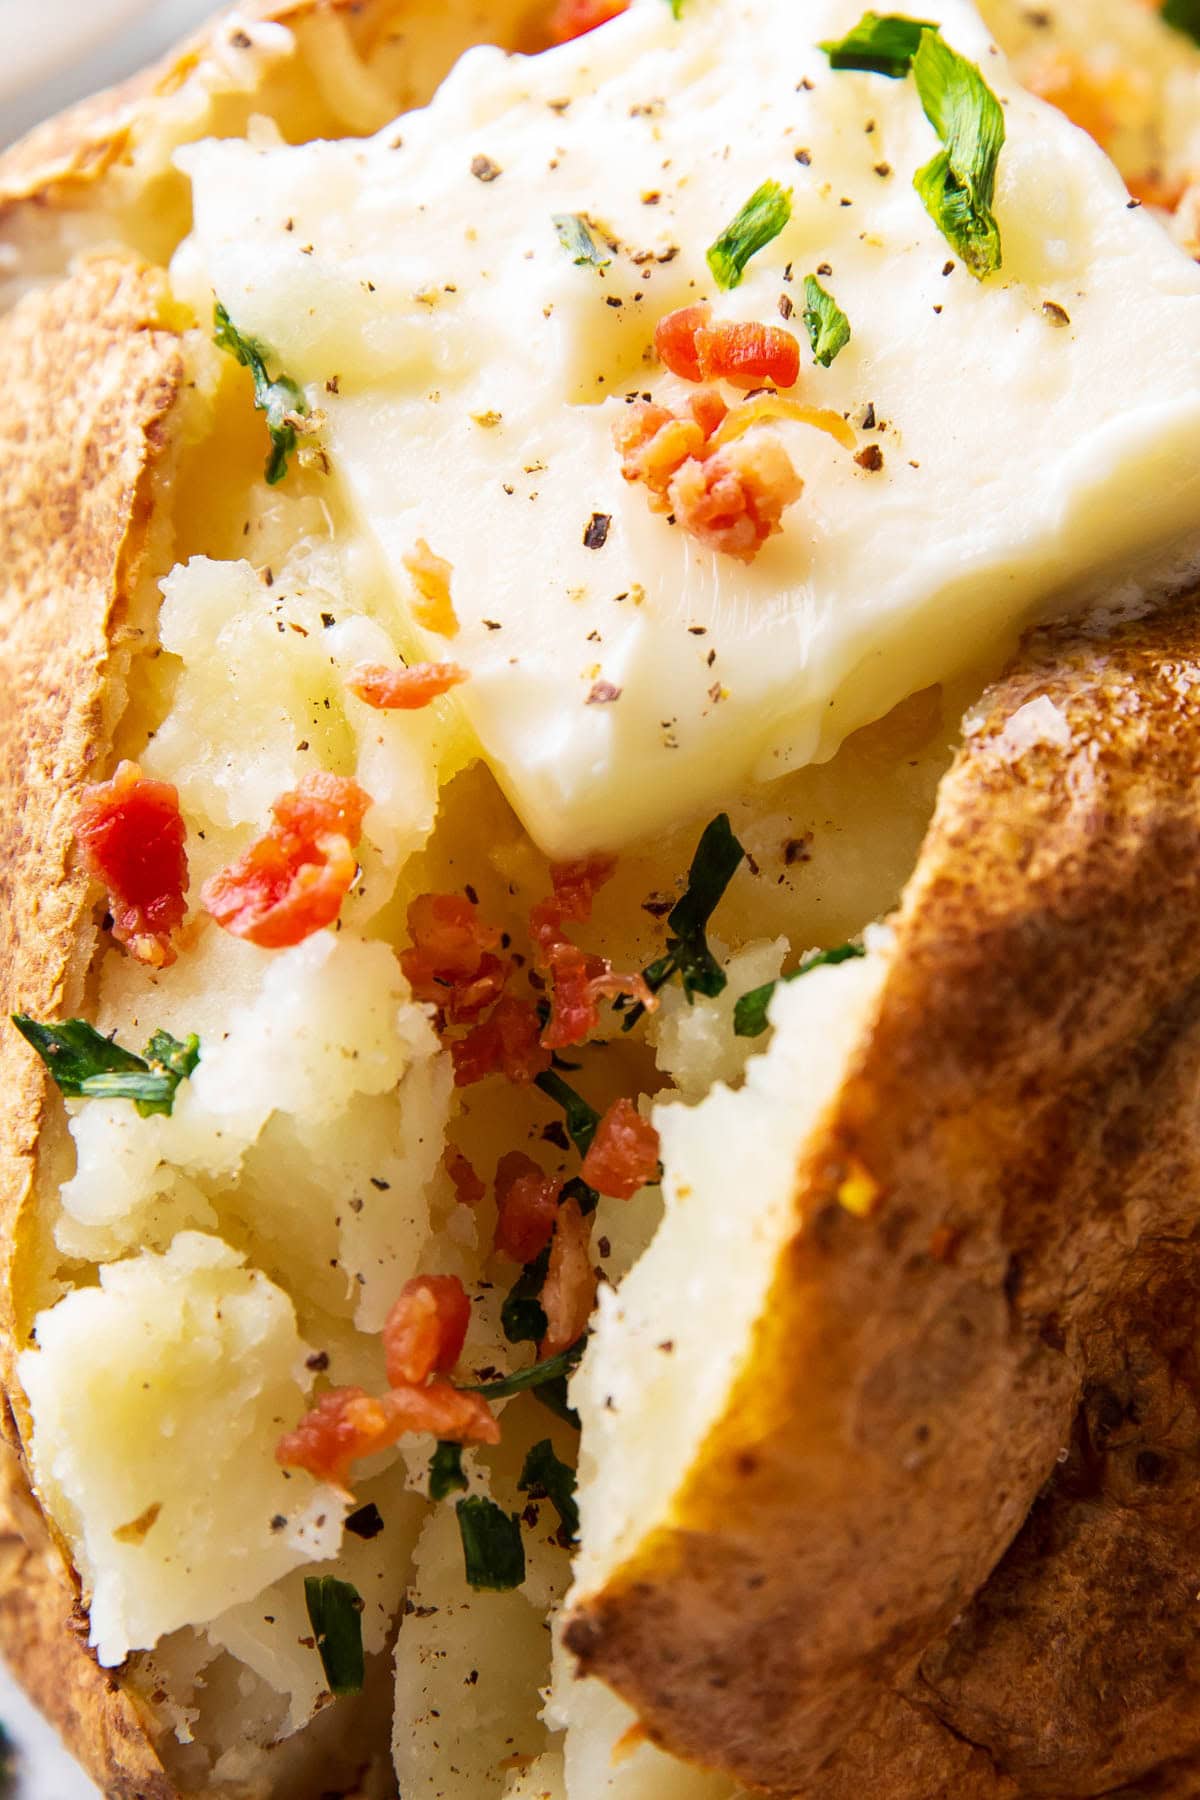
(888, 1401)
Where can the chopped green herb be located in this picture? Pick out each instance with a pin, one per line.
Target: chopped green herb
(762, 218)
(1184, 15)
(717, 857)
(88, 1066)
(544, 1474)
(493, 1549)
(882, 44)
(277, 398)
(750, 1013)
(958, 186)
(827, 325)
(575, 236)
(676, 7)
(446, 1474)
(581, 1119)
(335, 1609)
(521, 1317)
(552, 1369)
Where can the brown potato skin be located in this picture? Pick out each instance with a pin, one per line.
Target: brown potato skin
(1027, 1087)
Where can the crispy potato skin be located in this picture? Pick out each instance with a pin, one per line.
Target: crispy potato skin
(87, 381)
(1028, 1085)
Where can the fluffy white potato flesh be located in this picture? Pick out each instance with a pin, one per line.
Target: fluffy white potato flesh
(158, 1397)
(668, 1346)
(475, 357)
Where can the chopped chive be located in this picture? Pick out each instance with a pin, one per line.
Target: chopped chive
(827, 325)
(762, 218)
(446, 1473)
(277, 398)
(880, 44)
(335, 1609)
(575, 236)
(544, 1474)
(750, 1013)
(493, 1549)
(86, 1065)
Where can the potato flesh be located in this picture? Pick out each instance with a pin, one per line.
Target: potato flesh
(668, 1347)
(157, 1397)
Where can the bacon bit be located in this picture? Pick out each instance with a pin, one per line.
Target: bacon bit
(450, 961)
(347, 1423)
(675, 340)
(292, 880)
(426, 1329)
(654, 442)
(569, 1292)
(1095, 101)
(765, 407)
(745, 353)
(132, 836)
(469, 1188)
(572, 18)
(526, 1206)
(579, 979)
(403, 689)
(748, 354)
(431, 574)
(733, 501)
(623, 1155)
(507, 1043)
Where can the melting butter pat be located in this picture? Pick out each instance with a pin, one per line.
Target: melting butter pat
(1034, 432)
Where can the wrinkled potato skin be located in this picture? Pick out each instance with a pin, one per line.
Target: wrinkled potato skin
(1027, 1086)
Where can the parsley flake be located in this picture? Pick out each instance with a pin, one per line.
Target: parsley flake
(335, 1609)
(544, 1474)
(575, 236)
(446, 1473)
(827, 325)
(552, 1368)
(762, 218)
(750, 1013)
(718, 855)
(958, 186)
(493, 1549)
(581, 1119)
(879, 44)
(87, 1066)
(522, 1316)
(277, 398)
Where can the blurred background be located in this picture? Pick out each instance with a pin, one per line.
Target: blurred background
(55, 51)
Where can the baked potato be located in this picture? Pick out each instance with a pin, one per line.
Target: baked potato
(887, 1403)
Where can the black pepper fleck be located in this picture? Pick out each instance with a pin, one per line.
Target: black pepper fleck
(595, 532)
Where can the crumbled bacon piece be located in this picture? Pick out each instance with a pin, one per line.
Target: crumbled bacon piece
(450, 960)
(743, 352)
(506, 1043)
(468, 1186)
(675, 340)
(579, 980)
(132, 836)
(526, 1206)
(347, 1423)
(748, 354)
(292, 880)
(654, 442)
(569, 1291)
(433, 608)
(572, 18)
(403, 689)
(733, 501)
(623, 1154)
(426, 1329)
